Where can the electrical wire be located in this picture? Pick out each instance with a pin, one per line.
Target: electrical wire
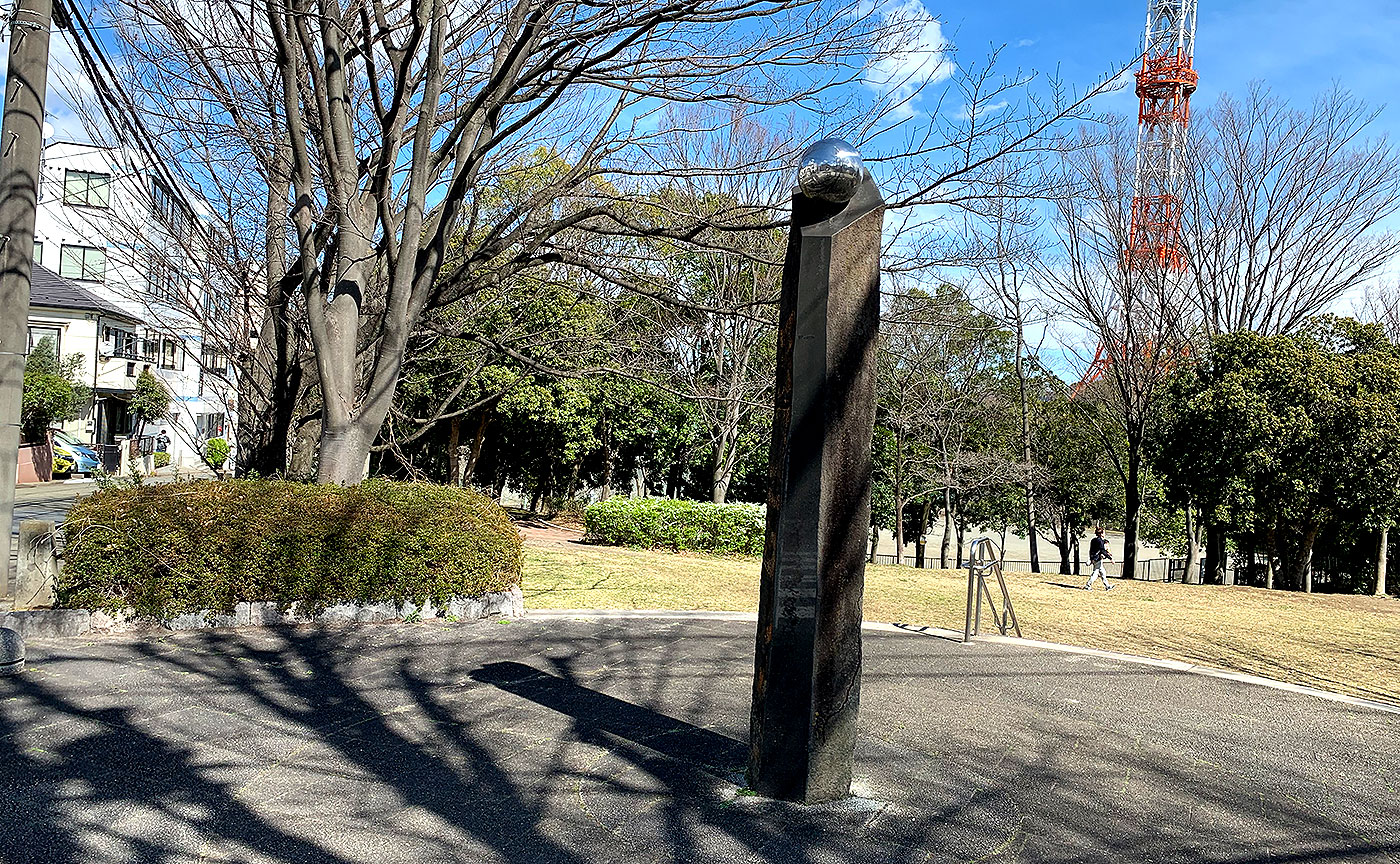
(119, 109)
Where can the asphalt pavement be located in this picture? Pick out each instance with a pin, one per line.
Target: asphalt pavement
(560, 741)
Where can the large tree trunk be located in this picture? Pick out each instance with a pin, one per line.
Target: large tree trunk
(308, 437)
(1075, 540)
(454, 455)
(726, 455)
(348, 426)
(1026, 448)
(1132, 498)
(1381, 555)
(1193, 547)
(1302, 562)
(344, 451)
(478, 440)
(719, 471)
(272, 376)
(1062, 542)
(947, 546)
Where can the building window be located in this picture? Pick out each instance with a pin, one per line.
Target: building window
(209, 426)
(169, 210)
(213, 368)
(38, 251)
(86, 188)
(82, 262)
(123, 343)
(214, 362)
(165, 282)
(172, 354)
(54, 334)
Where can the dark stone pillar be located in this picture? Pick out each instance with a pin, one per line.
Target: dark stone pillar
(808, 657)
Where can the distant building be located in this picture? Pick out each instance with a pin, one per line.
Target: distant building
(133, 290)
(76, 320)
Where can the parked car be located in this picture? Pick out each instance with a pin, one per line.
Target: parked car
(84, 458)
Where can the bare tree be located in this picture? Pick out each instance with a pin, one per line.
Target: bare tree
(387, 124)
(212, 167)
(992, 144)
(1381, 305)
(1138, 319)
(1012, 241)
(940, 374)
(715, 302)
(1285, 208)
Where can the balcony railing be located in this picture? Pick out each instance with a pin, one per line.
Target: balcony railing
(129, 353)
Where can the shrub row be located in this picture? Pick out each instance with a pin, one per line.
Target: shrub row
(679, 525)
(167, 549)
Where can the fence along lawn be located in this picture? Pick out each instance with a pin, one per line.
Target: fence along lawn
(1344, 643)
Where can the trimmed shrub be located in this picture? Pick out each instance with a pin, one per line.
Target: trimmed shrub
(160, 458)
(167, 549)
(666, 523)
(216, 452)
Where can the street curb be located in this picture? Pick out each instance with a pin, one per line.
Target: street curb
(956, 636)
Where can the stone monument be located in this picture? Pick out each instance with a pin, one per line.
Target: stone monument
(808, 657)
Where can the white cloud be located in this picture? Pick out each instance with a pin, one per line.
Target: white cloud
(916, 54)
(1025, 43)
(966, 112)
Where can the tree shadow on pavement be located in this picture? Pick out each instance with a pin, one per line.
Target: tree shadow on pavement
(581, 742)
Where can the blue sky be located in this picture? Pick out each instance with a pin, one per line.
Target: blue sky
(1298, 48)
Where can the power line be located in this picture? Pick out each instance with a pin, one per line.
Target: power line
(119, 109)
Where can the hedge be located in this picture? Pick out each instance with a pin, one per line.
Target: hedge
(666, 523)
(167, 549)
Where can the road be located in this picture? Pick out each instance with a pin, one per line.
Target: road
(43, 501)
(50, 501)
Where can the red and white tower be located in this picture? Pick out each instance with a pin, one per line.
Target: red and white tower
(1164, 87)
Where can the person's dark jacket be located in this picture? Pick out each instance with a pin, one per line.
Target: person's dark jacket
(1098, 548)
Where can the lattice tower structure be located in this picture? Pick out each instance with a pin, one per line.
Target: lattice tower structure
(1164, 87)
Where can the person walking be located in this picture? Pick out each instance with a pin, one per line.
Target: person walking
(1098, 553)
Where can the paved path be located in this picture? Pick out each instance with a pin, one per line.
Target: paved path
(564, 742)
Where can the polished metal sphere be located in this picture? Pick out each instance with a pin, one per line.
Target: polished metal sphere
(830, 170)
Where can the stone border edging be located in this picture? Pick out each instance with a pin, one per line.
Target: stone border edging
(60, 623)
(956, 636)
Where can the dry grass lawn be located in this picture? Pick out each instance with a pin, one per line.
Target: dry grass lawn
(1347, 644)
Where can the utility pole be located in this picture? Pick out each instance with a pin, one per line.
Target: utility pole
(21, 144)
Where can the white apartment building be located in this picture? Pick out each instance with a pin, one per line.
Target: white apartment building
(114, 230)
